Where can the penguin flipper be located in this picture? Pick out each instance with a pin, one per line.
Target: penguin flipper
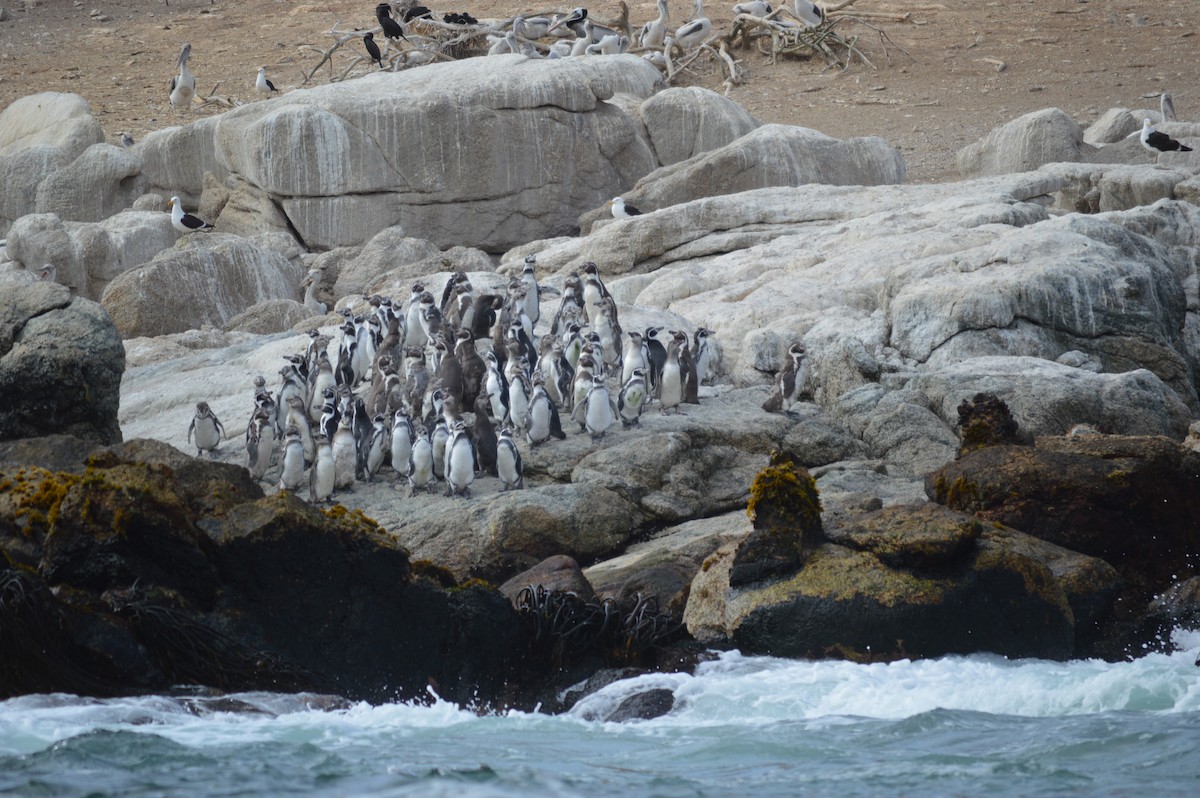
(555, 426)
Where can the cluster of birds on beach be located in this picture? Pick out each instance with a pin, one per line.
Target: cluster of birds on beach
(393, 389)
(576, 33)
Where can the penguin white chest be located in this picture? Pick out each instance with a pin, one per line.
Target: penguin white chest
(292, 473)
(671, 387)
(344, 457)
(321, 480)
(460, 464)
(401, 449)
(599, 412)
(207, 436)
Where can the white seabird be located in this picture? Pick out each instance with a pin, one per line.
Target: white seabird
(622, 211)
(1157, 142)
(185, 222)
(183, 85)
(755, 8)
(655, 31)
(262, 84)
(694, 33)
(1166, 107)
(809, 13)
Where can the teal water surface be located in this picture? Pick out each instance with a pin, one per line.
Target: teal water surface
(757, 726)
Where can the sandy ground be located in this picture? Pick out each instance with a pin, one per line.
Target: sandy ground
(946, 73)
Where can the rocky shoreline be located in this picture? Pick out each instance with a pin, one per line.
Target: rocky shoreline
(986, 454)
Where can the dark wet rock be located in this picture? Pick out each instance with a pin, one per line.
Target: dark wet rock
(1131, 501)
(785, 510)
(925, 536)
(643, 706)
(849, 604)
(560, 572)
(61, 362)
(985, 420)
(151, 568)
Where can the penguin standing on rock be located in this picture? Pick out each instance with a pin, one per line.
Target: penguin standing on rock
(460, 462)
(207, 428)
(260, 442)
(420, 472)
(292, 471)
(600, 411)
(789, 382)
(321, 477)
(508, 461)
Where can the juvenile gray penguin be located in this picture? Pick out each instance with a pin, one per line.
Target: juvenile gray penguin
(321, 477)
(420, 474)
(291, 474)
(207, 428)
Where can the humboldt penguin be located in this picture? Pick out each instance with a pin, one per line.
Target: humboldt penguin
(593, 291)
(460, 462)
(495, 388)
(485, 438)
(533, 306)
(416, 380)
(703, 354)
(788, 382)
(420, 474)
(414, 332)
(519, 390)
(687, 368)
(322, 477)
(439, 440)
(377, 447)
(632, 398)
(656, 353)
(670, 387)
(345, 455)
(291, 472)
(403, 437)
(542, 415)
(260, 443)
(601, 411)
(207, 428)
(508, 461)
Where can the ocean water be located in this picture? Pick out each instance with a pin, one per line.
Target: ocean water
(958, 726)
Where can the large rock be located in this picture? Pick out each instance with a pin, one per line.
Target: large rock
(206, 279)
(1039, 137)
(39, 134)
(771, 155)
(847, 601)
(1049, 398)
(49, 119)
(168, 570)
(61, 361)
(487, 153)
(93, 187)
(89, 255)
(1131, 501)
(684, 122)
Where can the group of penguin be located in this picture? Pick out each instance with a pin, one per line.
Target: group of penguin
(394, 390)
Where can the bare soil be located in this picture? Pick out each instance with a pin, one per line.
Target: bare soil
(945, 72)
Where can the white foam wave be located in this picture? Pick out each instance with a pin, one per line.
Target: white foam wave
(733, 690)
